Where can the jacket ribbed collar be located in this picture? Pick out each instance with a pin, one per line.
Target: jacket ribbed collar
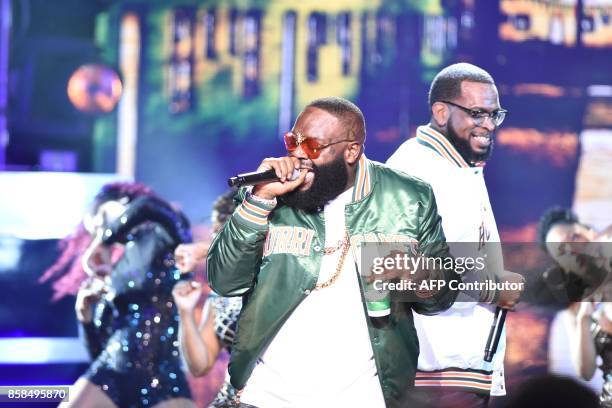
(430, 137)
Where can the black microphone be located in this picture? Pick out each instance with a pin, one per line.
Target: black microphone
(495, 333)
(257, 177)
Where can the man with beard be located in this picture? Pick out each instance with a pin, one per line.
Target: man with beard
(449, 153)
(305, 337)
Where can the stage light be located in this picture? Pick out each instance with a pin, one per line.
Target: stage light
(94, 88)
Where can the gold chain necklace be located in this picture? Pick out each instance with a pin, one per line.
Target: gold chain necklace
(331, 250)
(345, 245)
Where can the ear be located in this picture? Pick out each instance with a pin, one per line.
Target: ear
(351, 154)
(440, 114)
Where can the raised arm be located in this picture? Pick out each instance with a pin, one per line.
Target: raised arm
(95, 317)
(235, 255)
(144, 209)
(199, 344)
(583, 349)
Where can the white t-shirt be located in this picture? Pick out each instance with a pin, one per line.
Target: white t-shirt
(322, 355)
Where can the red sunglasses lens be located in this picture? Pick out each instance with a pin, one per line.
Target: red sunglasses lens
(310, 146)
(290, 143)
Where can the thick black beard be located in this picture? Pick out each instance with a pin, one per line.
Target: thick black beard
(329, 182)
(464, 148)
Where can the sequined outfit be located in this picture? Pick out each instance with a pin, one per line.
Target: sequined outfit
(133, 336)
(227, 311)
(603, 345)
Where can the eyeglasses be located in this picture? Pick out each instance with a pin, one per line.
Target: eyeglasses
(479, 115)
(310, 146)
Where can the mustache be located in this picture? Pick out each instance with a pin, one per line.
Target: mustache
(306, 164)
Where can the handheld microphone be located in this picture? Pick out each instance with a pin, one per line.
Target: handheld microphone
(257, 177)
(495, 333)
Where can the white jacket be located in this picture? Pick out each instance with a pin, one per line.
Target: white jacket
(452, 343)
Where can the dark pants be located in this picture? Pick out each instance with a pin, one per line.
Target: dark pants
(442, 397)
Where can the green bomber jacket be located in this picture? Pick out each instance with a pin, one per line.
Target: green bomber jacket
(387, 205)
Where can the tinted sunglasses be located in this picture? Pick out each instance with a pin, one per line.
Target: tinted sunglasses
(310, 146)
